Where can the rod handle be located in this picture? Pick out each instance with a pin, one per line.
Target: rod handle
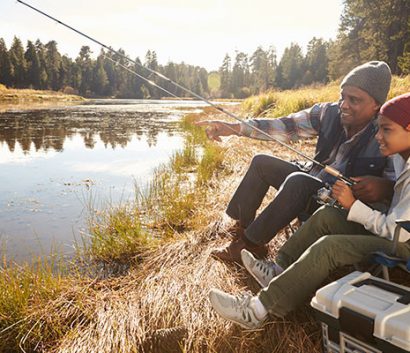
(337, 174)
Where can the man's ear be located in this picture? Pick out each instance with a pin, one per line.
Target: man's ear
(408, 128)
(377, 107)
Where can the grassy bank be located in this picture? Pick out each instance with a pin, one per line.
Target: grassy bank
(279, 103)
(148, 270)
(23, 97)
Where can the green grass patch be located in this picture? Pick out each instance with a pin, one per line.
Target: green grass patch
(183, 161)
(170, 202)
(21, 289)
(117, 236)
(211, 162)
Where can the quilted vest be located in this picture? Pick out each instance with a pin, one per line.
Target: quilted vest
(364, 158)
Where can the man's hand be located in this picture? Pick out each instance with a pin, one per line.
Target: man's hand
(216, 128)
(343, 194)
(372, 189)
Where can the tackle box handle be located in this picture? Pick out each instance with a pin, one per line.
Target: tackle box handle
(405, 294)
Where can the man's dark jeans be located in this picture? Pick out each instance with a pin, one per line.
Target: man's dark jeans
(295, 188)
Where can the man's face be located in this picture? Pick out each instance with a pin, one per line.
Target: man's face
(357, 107)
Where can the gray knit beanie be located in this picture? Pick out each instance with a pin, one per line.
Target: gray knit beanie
(373, 77)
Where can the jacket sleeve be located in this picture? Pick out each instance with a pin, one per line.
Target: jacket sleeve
(303, 124)
(388, 172)
(382, 224)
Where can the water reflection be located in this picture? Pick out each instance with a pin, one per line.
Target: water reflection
(56, 164)
(114, 125)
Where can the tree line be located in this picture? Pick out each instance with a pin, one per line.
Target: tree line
(41, 66)
(368, 30)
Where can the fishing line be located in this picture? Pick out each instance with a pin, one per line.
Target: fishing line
(326, 168)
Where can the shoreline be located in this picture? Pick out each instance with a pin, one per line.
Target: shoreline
(24, 99)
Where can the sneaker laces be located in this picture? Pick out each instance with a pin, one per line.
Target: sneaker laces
(242, 306)
(269, 269)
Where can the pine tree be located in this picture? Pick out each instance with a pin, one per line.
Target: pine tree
(6, 69)
(33, 66)
(41, 53)
(137, 82)
(316, 61)
(260, 70)
(272, 68)
(65, 74)
(100, 78)
(53, 64)
(225, 74)
(123, 88)
(404, 60)
(85, 65)
(18, 62)
(197, 84)
(292, 66)
(170, 71)
(203, 77)
(240, 75)
(109, 68)
(152, 63)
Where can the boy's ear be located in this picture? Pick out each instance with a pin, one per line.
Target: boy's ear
(408, 127)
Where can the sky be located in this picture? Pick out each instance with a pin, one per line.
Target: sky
(196, 32)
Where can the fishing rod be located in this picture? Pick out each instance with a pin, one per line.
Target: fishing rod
(326, 168)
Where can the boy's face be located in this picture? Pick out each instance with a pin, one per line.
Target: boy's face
(393, 138)
(357, 107)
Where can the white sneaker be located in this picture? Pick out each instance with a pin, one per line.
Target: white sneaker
(262, 271)
(235, 308)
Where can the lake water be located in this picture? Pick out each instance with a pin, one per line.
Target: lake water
(57, 163)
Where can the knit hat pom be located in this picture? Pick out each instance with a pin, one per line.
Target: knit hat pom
(398, 110)
(373, 77)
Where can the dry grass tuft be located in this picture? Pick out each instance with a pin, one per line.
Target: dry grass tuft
(164, 305)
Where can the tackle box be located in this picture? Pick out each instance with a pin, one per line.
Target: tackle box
(360, 313)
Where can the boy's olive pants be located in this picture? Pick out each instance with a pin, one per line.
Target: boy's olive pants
(323, 243)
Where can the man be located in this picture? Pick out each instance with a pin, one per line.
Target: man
(346, 142)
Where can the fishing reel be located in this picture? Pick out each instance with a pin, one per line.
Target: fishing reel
(324, 196)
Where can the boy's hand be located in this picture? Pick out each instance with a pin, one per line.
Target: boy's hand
(343, 194)
(372, 189)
